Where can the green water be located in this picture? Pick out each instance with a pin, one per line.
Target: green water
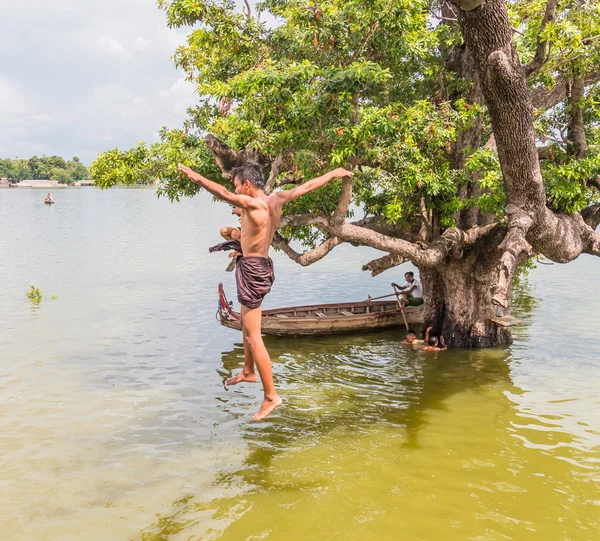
(116, 423)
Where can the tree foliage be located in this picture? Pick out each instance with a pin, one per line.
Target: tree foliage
(370, 84)
(46, 167)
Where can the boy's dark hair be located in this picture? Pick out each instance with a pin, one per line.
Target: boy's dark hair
(251, 171)
(410, 273)
(411, 331)
(433, 341)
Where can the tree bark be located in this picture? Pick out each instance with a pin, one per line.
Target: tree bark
(381, 264)
(458, 296)
(461, 62)
(532, 226)
(576, 143)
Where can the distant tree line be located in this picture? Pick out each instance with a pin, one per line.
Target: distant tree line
(46, 167)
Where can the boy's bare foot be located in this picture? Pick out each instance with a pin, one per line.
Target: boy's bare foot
(249, 378)
(266, 408)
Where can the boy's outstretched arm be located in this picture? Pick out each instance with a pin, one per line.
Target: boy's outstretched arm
(220, 192)
(427, 335)
(290, 195)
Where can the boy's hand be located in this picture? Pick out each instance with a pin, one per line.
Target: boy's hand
(188, 172)
(234, 255)
(341, 172)
(429, 329)
(442, 340)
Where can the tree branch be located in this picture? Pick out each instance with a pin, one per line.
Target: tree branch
(276, 168)
(450, 244)
(542, 52)
(468, 5)
(225, 157)
(544, 98)
(576, 142)
(366, 237)
(248, 10)
(308, 257)
(381, 264)
(516, 249)
(300, 220)
(591, 216)
(543, 153)
(593, 243)
(344, 203)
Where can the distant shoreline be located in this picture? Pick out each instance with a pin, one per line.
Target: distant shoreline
(54, 185)
(61, 186)
(43, 184)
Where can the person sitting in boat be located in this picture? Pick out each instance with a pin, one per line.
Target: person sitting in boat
(411, 339)
(49, 198)
(412, 290)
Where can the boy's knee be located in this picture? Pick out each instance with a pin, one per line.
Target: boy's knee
(224, 232)
(254, 340)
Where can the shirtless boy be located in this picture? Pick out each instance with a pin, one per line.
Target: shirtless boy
(411, 339)
(434, 343)
(260, 215)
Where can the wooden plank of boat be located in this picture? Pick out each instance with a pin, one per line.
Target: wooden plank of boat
(325, 318)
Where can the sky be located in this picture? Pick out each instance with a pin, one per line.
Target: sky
(78, 78)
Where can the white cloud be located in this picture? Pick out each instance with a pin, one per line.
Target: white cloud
(112, 45)
(82, 77)
(141, 44)
(88, 76)
(11, 99)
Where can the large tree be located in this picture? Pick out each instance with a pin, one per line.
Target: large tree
(473, 129)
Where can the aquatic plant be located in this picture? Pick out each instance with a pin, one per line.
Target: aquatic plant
(34, 295)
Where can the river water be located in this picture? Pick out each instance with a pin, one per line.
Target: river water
(116, 425)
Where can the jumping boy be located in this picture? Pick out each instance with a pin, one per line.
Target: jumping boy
(260, 215)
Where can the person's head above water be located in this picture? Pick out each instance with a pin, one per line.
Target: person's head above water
(248, 177)
(410, 276)
(411, 335)
(433, 341)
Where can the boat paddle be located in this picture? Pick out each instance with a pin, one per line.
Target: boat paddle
(401, 307)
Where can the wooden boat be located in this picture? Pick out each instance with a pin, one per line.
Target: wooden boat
(49, 202)
(325, 318)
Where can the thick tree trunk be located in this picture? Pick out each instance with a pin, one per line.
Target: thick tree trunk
(458, 297)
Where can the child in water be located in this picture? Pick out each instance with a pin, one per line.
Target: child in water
(434, 343)
(411, 339)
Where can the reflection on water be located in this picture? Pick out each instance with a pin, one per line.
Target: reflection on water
(116, 423)
(372, 443)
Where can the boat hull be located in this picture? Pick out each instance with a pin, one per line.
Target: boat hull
(326, 319)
